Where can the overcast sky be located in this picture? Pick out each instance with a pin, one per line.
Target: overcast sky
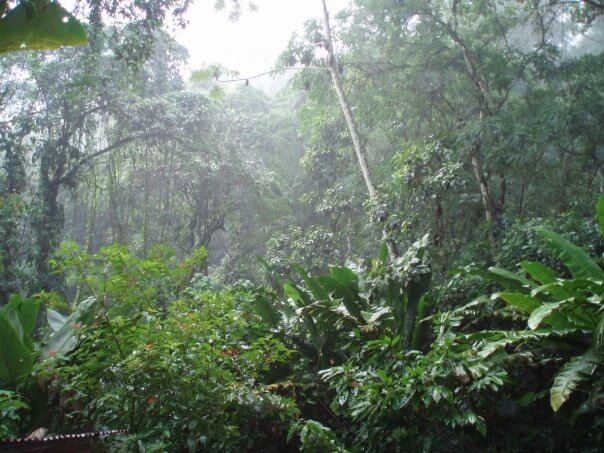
(252, 44)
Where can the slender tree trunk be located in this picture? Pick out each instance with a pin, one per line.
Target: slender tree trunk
(146, 206)
(352, 128)
(347, 112)
(485, 192)
(114, 216)
(484, 96)
(167, 184)
(91, 216)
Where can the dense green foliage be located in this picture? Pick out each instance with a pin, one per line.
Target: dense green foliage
(214, 270)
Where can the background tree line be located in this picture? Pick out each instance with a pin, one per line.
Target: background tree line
(379, 257)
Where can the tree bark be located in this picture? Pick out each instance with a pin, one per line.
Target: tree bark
(48, 223)
(347, 112)
(484, 104)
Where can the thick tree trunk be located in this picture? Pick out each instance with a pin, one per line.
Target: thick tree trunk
(47, 225)
(347, 112)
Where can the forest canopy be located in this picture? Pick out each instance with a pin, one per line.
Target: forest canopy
(401, 250)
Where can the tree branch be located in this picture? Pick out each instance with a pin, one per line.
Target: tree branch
(68, 177)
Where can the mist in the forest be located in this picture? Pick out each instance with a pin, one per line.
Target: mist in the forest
(327, 225)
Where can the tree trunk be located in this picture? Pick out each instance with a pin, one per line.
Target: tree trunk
(10, 215)
(482, 90)
(485, 192)
(352, 128)
(47, 225)
(146, 206)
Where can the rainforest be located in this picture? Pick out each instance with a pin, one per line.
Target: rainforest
(386, 236)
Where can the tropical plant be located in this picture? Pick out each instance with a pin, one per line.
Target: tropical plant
(11, 407)
(17, 350)
(383, 297)
(187, 364)
(563, 314)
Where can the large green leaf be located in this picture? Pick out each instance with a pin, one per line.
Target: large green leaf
(327, 317)
(16, 358)
(301, 300)
(600, 209)
(27, 308)
(575, 371)
(343, 286)
(55, 319)
(542, 312)
(295, 294)
(345, 276)
(545, 276)
(313, 284)
(598, 340)
(422, 328)
(267, 311)
(64, 339)
(498, 340)
(525, 303)
(538, 310)
(415, 292)
(40, 25)
(539, 272)
(509, 280)
(578, 262)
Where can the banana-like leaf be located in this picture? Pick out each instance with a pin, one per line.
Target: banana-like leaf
(538, 310)
(265, 309)
(525, 303)
(55, 319)
(27, 308)
(374, 317)
(600, 210)
(16, 359)
(578, 262)
(575, 371)
(509, 280)
(566, 289)
(328, 316)
(415, 293)
(422, 329)
(545, 276)
(313, 284)
(296, 295)
(539, 272)
(495, 341)
(542, 312)
(598, 340)
(64, 339)
(345, 290)
(344, 276)
(40, 25)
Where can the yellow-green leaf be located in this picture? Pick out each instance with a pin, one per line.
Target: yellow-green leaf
(40, 25)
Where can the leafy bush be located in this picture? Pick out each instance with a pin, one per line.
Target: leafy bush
(11, 414)
(180, 368)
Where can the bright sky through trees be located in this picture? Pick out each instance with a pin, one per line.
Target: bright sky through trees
(251, 44)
